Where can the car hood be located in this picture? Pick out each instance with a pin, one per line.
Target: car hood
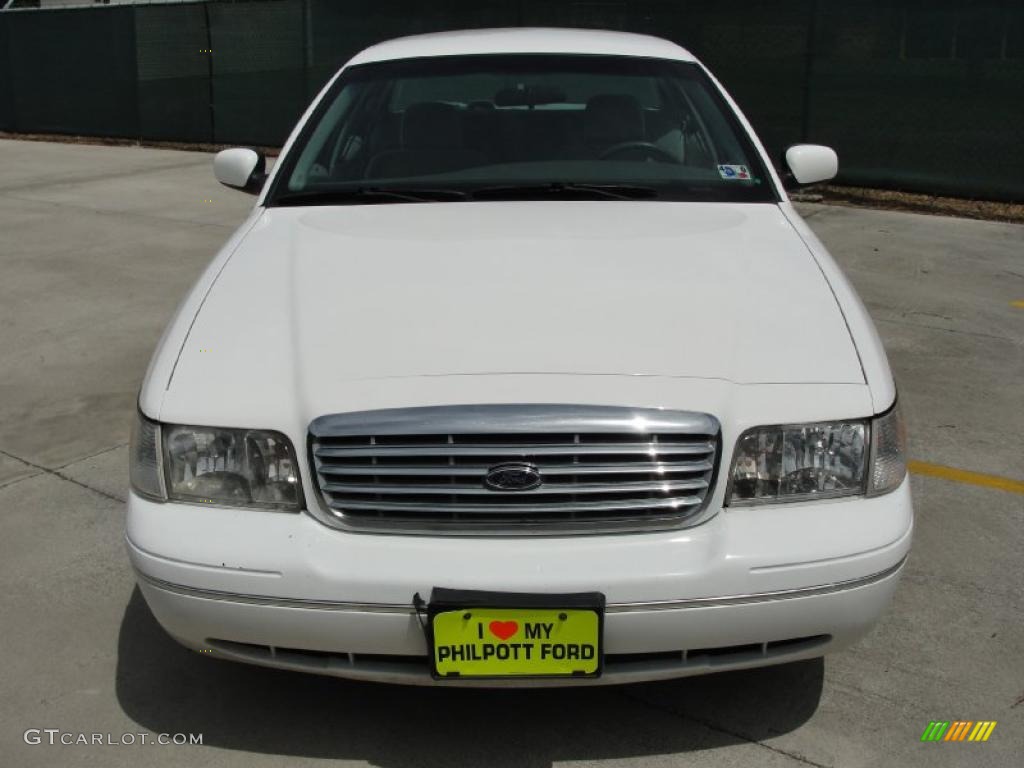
(313, 297)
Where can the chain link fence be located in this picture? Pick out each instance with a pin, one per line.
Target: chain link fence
(922, 95)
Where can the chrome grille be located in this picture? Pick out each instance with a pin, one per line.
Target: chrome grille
(601, 468)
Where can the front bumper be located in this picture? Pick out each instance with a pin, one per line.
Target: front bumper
(749, 587)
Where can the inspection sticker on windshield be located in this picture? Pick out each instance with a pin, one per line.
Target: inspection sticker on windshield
(734, 172)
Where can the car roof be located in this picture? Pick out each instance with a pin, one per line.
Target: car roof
(523, 40)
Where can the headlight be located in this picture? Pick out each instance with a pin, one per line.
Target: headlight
(211, 465)
(823, 460)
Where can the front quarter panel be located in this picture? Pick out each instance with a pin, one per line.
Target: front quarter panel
(870, 349)
(873, 360)
(161, 365)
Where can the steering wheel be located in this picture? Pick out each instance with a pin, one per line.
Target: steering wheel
(643, 146)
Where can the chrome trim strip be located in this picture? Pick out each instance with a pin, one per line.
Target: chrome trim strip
(512, 418)
(274, 602)
(483, 491)
(595, 449)
(674, 503)
(758, 597)
(409, 610)
(479, 471)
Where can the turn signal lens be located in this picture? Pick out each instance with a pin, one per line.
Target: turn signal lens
(888, 452)
(144, 468)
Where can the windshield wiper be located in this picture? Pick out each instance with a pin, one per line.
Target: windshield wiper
(369, 195)
(565, 189)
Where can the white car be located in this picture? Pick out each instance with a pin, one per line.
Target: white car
(522, 371)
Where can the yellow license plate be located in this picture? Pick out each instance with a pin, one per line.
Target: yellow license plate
(517, 642)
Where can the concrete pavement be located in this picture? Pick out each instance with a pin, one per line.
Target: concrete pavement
(97, 246)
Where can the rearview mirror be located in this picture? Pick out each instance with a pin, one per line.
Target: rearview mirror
(810, 163)
(241, 168)
(529, 96)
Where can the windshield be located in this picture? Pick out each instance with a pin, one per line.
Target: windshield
(521, 127)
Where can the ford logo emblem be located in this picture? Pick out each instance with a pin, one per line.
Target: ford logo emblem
(512, 477)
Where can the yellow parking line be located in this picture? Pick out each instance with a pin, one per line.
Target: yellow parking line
(1017, 304)
(963, 476)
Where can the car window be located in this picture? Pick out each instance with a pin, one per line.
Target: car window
(481, 123)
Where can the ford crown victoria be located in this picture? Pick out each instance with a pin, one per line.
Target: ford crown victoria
(522, 371)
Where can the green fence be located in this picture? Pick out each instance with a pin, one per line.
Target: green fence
(921, 95)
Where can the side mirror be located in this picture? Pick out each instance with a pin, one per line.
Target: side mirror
(810, 163)
(240, 168)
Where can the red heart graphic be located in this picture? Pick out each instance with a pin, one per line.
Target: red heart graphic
(503, 630)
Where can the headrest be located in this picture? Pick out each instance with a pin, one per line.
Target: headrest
(612, 118)
(431, 125)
